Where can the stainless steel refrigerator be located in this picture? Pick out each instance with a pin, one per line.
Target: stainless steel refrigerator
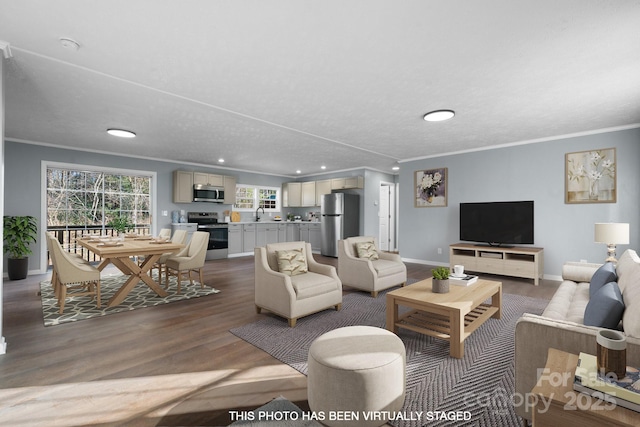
(340, 218)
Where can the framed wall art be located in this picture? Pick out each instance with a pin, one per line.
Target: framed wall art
(590, 176)
(431, 188)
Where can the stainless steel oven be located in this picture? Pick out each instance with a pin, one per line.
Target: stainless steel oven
(218, 246)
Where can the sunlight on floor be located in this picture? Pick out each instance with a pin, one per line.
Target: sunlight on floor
(121, 400)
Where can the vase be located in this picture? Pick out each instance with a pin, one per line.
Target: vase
(440, 286)
(428, 195)
(593, 190)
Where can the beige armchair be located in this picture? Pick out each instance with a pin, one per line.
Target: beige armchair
(366, 274)
(283, 287)
(71, 273)
(190, 260)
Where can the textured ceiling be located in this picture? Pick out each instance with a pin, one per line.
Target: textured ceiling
(275, 86)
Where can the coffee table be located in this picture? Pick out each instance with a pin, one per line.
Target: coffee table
(452, 316)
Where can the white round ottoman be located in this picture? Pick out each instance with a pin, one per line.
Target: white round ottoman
(355, 371)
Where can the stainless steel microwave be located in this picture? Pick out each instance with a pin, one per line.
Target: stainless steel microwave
(205, 193)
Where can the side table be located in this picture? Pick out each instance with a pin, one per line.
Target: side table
(568, 408)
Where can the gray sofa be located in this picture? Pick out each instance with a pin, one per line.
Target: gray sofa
(561, 325)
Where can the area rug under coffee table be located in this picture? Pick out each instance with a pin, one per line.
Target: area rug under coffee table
(482, 383)
(84, 307)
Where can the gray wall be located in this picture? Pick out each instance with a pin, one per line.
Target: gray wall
(524, 172)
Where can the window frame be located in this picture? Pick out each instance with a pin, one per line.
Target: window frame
(46, 164)
(256, 189)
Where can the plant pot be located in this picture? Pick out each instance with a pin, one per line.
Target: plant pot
(17, 268)
(440, 286)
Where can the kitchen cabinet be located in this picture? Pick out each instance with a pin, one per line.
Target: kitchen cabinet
(266, 234)
(347, 182)
(292, 194)
(293, 232)
(322, 187)
(310, 232)
(308, 193)
(235, 239)
(208, 179)
(315, 237)
(248, 237)
(182, 187)
(282, 232)
(229, 190)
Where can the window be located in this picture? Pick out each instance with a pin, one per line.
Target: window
(88, 199)
(251, 197)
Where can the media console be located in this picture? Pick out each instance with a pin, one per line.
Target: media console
(527, 262)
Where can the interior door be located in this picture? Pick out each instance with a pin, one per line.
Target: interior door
(384, 217)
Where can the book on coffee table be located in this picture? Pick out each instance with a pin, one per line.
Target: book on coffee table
(465, 280)
(624, 392)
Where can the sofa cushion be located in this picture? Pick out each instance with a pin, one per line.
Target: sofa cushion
(312, 284)
(605, 307)
(292, 262)
(603, 275)
(367, 250)
(569, 302)
(629, 281)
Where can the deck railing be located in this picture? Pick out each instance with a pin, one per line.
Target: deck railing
(67, 236)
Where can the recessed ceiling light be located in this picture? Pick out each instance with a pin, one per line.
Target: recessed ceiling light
(68, 43)
(220, 160)
(395, 168)
(121, 133)
(439, 115)
(323, 167)
(298, 171)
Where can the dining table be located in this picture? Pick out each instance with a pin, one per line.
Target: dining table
(122, 252)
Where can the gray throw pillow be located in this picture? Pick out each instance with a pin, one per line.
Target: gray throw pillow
(605, 274)
(605, 307)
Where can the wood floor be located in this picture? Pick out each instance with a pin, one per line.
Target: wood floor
(175, 364)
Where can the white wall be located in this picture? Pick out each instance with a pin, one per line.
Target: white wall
(524, 172)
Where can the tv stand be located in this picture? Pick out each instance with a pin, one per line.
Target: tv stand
(527, 262)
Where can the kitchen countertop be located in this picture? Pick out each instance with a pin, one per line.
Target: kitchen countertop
(276, 222)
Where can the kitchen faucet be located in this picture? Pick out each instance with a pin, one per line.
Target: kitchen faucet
(257, 217)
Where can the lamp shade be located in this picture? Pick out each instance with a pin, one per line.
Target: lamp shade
(611, 232)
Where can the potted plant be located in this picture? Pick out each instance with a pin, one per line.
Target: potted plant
(19, 233)
(440, 281)
(120, 223)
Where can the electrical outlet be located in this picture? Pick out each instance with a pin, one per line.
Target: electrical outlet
(439, 251)
(165, 213)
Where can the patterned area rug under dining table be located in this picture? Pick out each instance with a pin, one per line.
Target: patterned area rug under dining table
(84, 307)
(482, 383)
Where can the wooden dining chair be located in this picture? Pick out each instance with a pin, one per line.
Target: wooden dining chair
(72, 273)
(190, 260)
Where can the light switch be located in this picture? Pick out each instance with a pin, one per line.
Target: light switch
(165, 213)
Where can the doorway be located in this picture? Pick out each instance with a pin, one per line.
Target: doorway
(387, 217)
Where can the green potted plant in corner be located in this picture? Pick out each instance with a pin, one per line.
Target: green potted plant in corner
(120, 223)
(19, 233)
(440, 281)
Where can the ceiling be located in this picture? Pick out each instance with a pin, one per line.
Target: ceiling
(285, 85)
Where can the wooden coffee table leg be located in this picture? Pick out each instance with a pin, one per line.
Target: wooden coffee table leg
(496, 301)
(456, 338)
(392, 314)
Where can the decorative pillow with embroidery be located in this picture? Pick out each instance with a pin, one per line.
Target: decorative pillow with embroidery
(292, 262)
(367, 250)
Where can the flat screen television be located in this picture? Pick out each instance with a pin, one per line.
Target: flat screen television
(497, 223)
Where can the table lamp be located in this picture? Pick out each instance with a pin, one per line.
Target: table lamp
(612, 234)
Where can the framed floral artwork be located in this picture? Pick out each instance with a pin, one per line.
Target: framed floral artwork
(590, 176)
(431, 188)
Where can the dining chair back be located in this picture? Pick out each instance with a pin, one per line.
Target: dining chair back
(179, 237)
(72, 274)
(192, 259)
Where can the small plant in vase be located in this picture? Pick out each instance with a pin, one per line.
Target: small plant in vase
(440, 281)
(120, 224)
